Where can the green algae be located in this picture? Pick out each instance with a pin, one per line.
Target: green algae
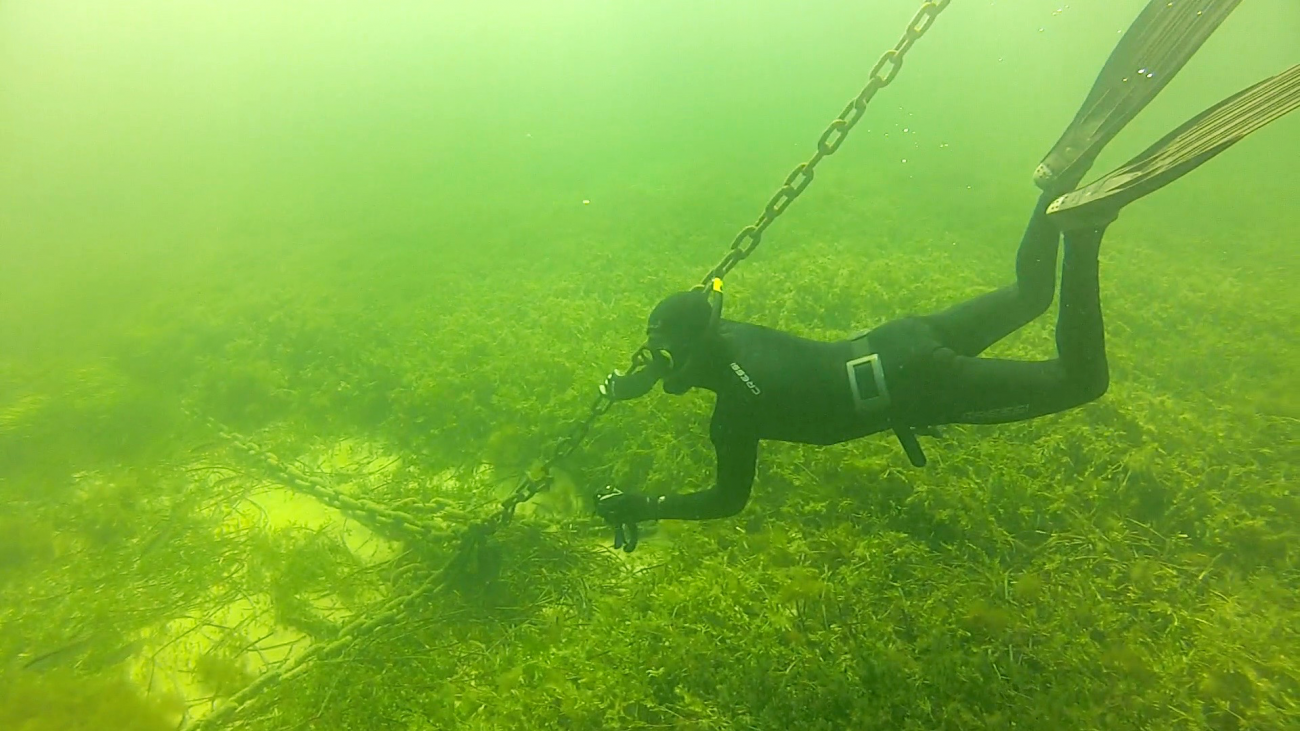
(1130, 564)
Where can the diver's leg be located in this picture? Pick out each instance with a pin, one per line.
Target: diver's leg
(1080, 332)
(972, 326)
(1155, 47)
(988, 390)
(984, 390)
(1180, 152)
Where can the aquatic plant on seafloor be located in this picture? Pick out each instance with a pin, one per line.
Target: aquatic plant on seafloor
(1129, 564)
(62, 702)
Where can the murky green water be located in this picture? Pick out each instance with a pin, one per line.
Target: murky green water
(263, 261)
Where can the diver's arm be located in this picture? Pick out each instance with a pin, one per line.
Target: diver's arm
(737, 451)
(636, 382)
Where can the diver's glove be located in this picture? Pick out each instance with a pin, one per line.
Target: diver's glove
(623, 510)
(620, 386)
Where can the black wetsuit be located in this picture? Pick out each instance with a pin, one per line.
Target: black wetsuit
(774, 385)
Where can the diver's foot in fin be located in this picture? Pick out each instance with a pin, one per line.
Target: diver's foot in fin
(1181, 151)
(1155, 48)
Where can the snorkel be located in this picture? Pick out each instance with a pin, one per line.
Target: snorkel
(675, 330)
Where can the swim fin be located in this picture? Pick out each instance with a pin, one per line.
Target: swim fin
(1178, 153)
(1160, 41)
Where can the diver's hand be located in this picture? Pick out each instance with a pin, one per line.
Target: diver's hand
(620, 386)
(623, 510)
(608, 388)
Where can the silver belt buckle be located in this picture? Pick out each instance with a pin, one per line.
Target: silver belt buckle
(869, 395)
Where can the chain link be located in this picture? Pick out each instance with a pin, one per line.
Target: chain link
(538, 478)
(371, 514)
(882, 74)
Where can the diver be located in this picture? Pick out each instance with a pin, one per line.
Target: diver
(913, 374)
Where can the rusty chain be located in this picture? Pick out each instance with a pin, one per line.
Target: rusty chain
(538, 477)
(368, 512)
(251, 695)
(890, 63)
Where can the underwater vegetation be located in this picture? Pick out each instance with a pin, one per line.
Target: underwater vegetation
(1126, 565)
(64, 702)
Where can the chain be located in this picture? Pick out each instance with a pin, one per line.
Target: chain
(254, 693)
(538, 477)
(376, 515)
(890, 63)
(535, 480)
(372, 514)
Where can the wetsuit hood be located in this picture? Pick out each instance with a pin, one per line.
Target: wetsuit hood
(679, 321)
